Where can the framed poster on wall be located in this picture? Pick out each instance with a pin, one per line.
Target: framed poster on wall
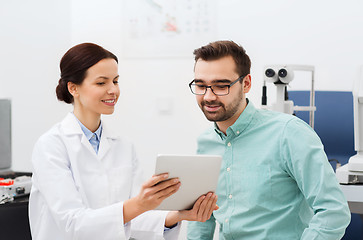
(167, 28)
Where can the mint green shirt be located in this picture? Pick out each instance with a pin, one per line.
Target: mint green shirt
(275, 181)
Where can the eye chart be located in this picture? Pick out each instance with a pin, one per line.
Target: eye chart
(167, 28)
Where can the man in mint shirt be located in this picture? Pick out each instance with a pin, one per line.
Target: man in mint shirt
(275, 181)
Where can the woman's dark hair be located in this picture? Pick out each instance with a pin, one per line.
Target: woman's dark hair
(74, 65)
(219, 49)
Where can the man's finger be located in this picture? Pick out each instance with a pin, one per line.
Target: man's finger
(210, 207)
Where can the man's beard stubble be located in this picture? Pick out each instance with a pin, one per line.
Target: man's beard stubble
(224, 113)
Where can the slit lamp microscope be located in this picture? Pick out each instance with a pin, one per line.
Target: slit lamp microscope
(281, 76)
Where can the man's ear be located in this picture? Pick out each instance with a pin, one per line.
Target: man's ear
(247, 83)
(72, 89)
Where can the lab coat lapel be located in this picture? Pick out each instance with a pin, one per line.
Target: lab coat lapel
(71, 126)
(104, 146)
(106, 142)
(87, 144)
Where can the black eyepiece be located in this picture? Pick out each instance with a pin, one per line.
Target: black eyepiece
(282, 73)
(269, 72)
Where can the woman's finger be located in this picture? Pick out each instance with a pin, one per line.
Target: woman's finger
(155, 180)
(167, 192)
(165, 184)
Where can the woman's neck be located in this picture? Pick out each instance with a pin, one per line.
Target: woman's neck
(88, 119)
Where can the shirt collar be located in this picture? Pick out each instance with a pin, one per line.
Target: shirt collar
(242, 122)
(88, 133)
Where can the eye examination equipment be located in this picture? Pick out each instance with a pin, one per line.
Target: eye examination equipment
(5, 134)
(352, 172)
(281, 76)
(12, 184)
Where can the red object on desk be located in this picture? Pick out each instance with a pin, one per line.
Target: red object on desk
(6, 183)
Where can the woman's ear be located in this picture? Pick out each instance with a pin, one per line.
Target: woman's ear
(246, 83)
(73, 89)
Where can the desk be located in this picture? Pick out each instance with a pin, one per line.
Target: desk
(14, 220)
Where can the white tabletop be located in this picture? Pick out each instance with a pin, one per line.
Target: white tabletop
(354, 196)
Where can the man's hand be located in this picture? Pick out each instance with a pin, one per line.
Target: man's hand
(201, 211)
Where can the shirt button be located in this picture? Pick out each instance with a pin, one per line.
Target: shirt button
(228, 169)
(229, 144)
(237, 132)
(230, 196)
(226, 220)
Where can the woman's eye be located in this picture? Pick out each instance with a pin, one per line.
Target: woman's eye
(100, 83)
(115, 82)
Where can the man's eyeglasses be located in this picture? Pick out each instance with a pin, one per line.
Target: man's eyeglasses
(218, 89)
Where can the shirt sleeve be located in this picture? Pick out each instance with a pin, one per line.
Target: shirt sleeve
(172, 233)
(307, 164)
(201, 230)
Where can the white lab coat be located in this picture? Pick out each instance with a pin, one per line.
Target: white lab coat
(77, 194)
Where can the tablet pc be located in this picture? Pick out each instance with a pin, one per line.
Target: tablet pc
(198, 175)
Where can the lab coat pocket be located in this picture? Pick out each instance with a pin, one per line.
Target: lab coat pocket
(120, 180)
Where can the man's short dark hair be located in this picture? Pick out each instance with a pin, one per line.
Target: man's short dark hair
(220, 49)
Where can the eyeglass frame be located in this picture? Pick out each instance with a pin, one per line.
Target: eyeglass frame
(211, 87)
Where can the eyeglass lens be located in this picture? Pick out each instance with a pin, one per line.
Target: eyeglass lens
(200, 89)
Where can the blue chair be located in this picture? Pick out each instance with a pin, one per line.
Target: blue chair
(334, 125)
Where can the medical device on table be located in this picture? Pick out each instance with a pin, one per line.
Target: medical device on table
(5, 134)
(281, 76)
(12, 184)
(352, 172)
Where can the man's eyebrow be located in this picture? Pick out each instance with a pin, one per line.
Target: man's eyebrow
(214, 81)
(222, 81)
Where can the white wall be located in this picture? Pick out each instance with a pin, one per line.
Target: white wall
(35, 34)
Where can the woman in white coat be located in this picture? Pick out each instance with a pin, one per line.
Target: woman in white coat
(86, 179)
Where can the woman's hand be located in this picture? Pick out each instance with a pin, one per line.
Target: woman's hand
(201, 211)
(152, 193)
(155, 190)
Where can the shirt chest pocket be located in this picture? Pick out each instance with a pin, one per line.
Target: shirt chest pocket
(120, 183)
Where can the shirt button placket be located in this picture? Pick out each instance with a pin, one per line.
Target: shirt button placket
(229, 155)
